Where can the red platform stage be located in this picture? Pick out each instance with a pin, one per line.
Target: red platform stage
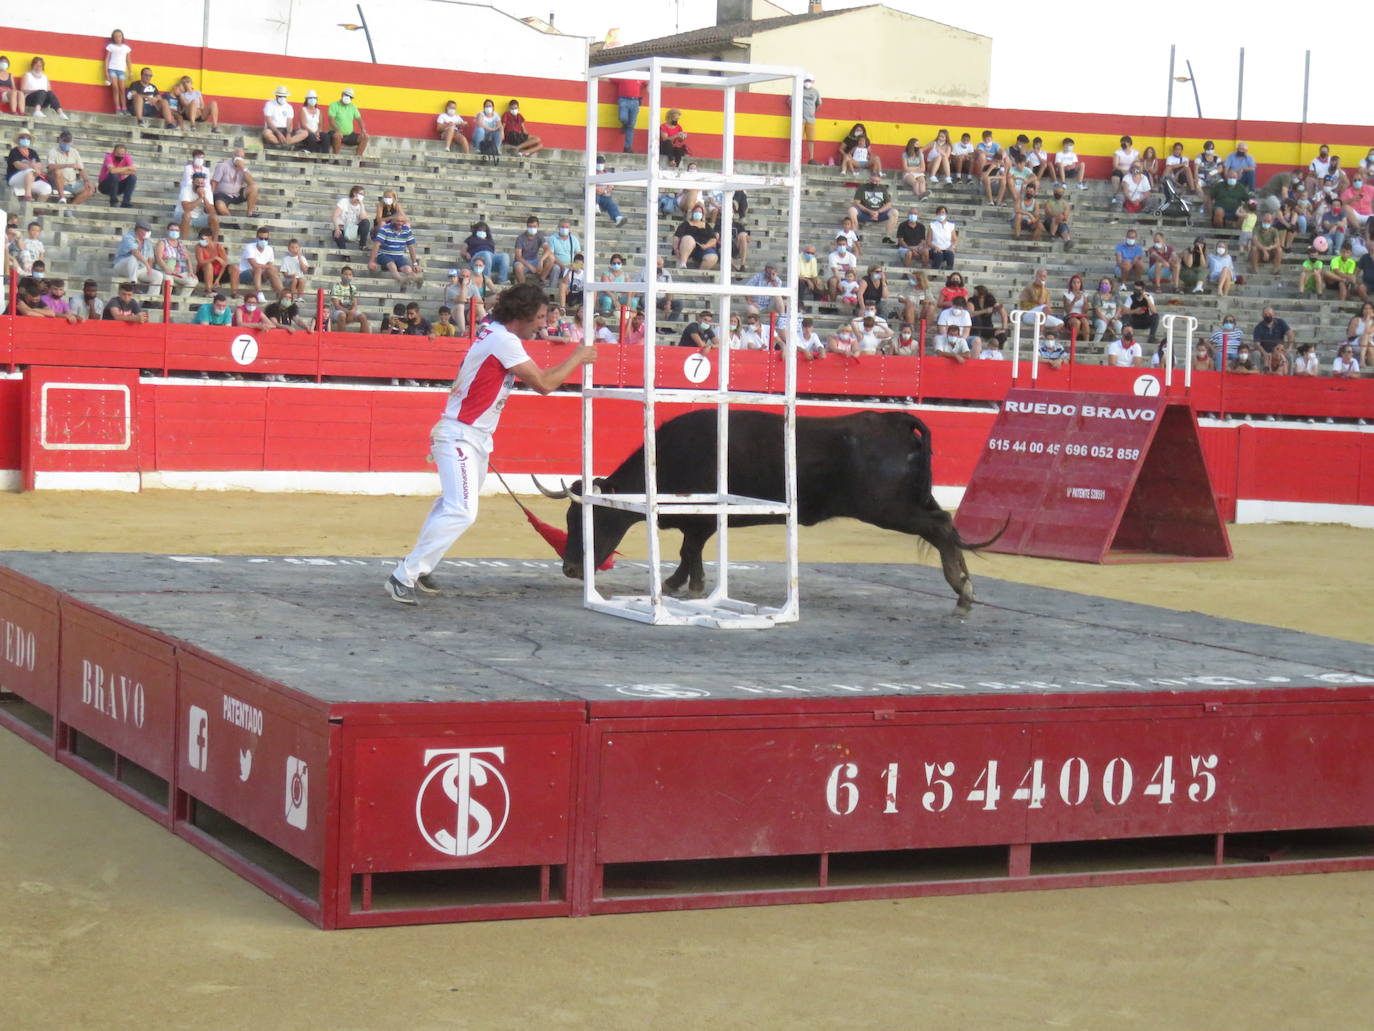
(479, 759)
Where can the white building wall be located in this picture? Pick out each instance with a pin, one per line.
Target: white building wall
(469, 37)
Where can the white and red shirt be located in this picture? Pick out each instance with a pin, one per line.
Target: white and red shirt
(484, 380)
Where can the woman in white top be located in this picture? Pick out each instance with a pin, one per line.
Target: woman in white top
(939, 155)
(914, 167)
(308, 122)
(1305, 363)
(1344, 365)
(117, 69)
(488, 124)
(1360, 334)
(38, 94)
(1076, 308)
(351, 222)
(450, 126)
(732, 338)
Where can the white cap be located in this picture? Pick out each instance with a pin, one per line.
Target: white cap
(282, 91)
(311, 95)
(348, 92)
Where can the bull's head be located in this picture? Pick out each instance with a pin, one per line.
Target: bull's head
(610, 526)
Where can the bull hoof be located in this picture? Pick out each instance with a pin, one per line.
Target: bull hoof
(673, 590)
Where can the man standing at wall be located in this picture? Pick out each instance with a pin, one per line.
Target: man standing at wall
(628, 93)
(811, 103)
(460, 442)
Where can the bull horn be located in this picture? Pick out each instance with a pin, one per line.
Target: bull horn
(557, 495)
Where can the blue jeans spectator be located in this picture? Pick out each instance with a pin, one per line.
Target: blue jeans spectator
(120, 189)
(607, 203)
(498, 265)
(629, 114)
(941, 259)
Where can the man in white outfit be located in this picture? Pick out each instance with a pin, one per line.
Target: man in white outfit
(460, 441)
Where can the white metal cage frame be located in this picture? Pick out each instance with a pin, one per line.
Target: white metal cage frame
(718, 609)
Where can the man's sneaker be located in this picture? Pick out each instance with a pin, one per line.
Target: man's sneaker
(399, 592)
(621, 221)
(427, 583)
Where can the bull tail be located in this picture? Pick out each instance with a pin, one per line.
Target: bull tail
(980, 545)
(927, 477)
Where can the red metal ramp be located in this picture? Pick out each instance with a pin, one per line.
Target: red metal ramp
(1094, 478)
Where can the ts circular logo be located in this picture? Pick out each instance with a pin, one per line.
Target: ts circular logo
(244, 349)
(463, 803)
(1146, 386)
(662, 691)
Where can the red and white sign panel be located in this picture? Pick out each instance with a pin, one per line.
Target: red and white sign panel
(1094, 478)
(28, 640)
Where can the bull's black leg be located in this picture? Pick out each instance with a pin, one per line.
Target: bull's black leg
(938, 528)
(690, 570)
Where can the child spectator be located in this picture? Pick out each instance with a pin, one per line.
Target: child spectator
(1067, 165)
(572, 283)
(810, 346)
(444, 326)
(251, 317)
(850, 294)
(343, 304)
(295, 267)
(516, 134)
(212, 261)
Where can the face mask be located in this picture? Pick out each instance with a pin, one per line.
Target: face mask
(262, 244)
(911, 219)
(532, 230)
(488, 109)
(477, 270)
(481, 234)
(940, 218)
(1357, 183)
(563, 230)
(311, 102)
(1105, 288)
(705, 323)
(697, 216)
(24, 141)
(1159, 246)
(1245, 356)
(1228, 325)
(64, 147)
(1268, 319)
(616, 266)
(174, 234)
(197, 162)
(4, 66)
(205, 243)
(1231, 182)
(842, 249)
(450, 110)
(345, 100)
(250, 307)
(600, 166)
(1221, 250)
(1130, 241)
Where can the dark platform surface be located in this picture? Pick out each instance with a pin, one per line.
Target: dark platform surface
(515, 630)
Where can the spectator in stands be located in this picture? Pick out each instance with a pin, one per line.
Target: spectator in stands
(939, 157)
(486, 129)
(809, 284)
(1135, 190)
(144, 96)
(699, 334)
(1164, 262)
(877, 300)
(564, 245)
(953, 329)
(1358, 201)
(1221, 270)
(516, 134)
(604, 199)
(394, 250)
(88, 306)
(1266, 245)
(343, 304)
(11, 96)
(1055, 215)
(615, 273)
(388, 206)
(34, 249)
(347, 125)
(848, 229)
(196, 202)
(1130, 256)
(1241, 164)
(118, 177)
(993, 176)
(531, 253)
(258, 260)
(1243, 362)
(1068, 166)
(849, 293)
(444, 325)
(450, 125)
(572, 284)
(1313, 274)
(416, 325)
(696, 244)
(840, 262)
(672, 138)
(1343, 273)
(481, 244)
(987, 316)
(18, 261)
(873, 203)
(809, 343)
(350, 221)
(961, 158)
(456, 297)
(252, 317)
(232, 183)
(24, 171)
(1178, 168)
(1035, 297)
(1227, 341)
(1075, 305)
(1277, 362)
(278, 121)
(1360, 333)
(1318, 168)
(914, 167)
(117, 69)
(1140, 311)
(944, 240)
(38, 94)
(214, 312)
(192, 107)
(54, 299)
(986, 153)
(134, 256)
(912, 246)
(169, 254)
(28, 299)
(212, 261)
(1123, 159)
(123, 308)
(1332, 225)
(1038, 159)
(1105, 311)
(295, 268)
(394, 325)
(310, 121)
(1149, 163)
(65, 167)
(1125, 353)
(903, 343)
(1207, 167)
(855, 149)
(954, 287)
(1270, 332)
(1305, 361)
(1026, 213)
(1226, 200)
(762, 302)
(1203, 360)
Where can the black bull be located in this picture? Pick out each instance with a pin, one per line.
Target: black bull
(870, 466)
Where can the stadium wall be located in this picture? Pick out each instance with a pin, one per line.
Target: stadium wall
(403, 101)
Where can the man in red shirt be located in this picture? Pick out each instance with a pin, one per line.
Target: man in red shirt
(628, 93)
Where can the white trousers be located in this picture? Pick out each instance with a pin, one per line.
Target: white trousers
(135, 271)
(462, 467)
(1051, 321)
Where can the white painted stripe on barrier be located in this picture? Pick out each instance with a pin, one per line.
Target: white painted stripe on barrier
(127, 482)
(1252, 511)
(120, 388)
